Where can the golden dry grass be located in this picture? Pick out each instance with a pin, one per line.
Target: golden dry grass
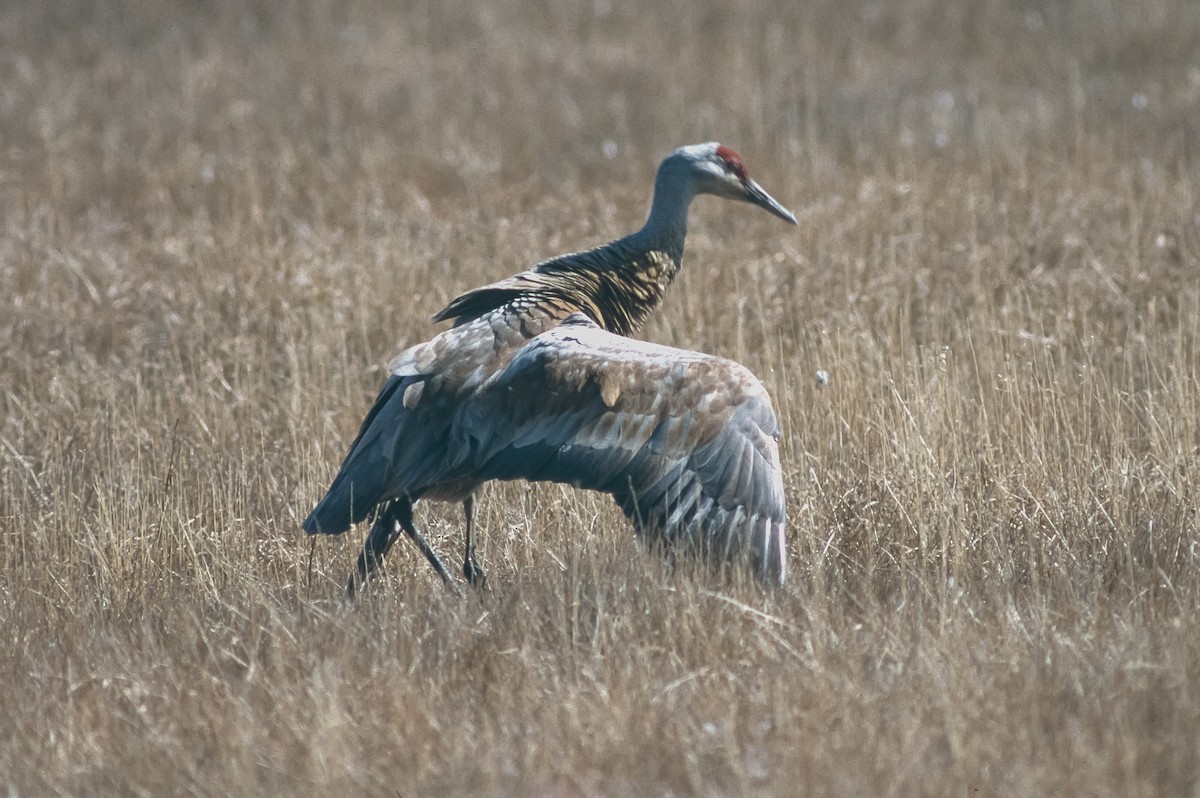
(221, 219)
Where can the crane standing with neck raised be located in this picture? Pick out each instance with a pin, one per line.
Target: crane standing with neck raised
(536, 380)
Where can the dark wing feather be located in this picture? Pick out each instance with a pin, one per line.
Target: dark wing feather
(361, 480)
(685, 442)
(594, 281)
(474, 304)
(479, 301)
(402, 446)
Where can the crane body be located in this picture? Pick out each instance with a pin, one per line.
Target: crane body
(538, 380)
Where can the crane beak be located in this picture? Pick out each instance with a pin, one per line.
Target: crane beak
(756, 195)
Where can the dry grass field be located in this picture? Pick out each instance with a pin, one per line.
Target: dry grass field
(219, 220)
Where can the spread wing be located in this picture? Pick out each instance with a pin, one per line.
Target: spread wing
(685, 442)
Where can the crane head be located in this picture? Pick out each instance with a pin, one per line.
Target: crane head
(717, 169)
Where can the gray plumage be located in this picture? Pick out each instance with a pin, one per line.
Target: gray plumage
(685, 442)
(536, 380)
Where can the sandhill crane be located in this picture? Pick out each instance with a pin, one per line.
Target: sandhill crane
(537, 380)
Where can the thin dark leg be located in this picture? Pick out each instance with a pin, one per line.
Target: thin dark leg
(404, 516)
(475, 575)
(379, 540)
(383, 535)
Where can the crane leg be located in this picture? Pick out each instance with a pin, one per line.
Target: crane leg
(380, 539)
(471, 570)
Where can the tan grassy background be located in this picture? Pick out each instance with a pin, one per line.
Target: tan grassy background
(221, 219)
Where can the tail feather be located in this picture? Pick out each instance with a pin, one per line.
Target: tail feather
(361, 482)
(347, 502)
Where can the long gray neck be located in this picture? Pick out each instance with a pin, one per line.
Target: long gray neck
(666, 227)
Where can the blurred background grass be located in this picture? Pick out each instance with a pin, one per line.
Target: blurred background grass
(221, 219)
